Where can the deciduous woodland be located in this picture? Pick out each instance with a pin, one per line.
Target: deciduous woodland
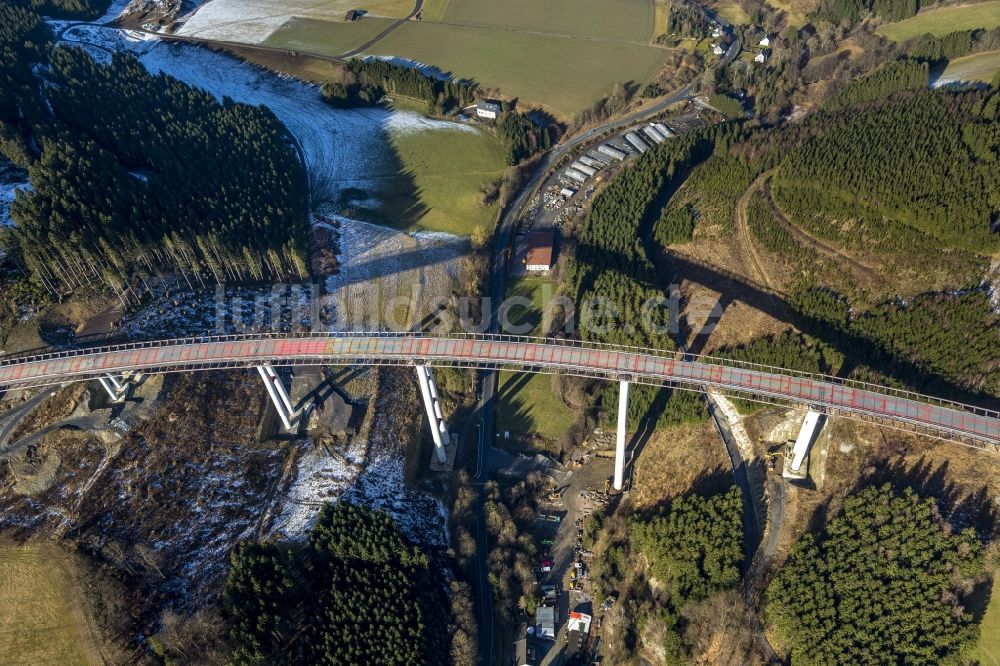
(661, 567)
(134, 174)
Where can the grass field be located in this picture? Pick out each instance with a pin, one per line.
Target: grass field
(564, 74)
(988, 652)
(526, 403)
(795, 10)
(733, 13)
(442, 174)
(627, 21)
(433, 10)
(39, 624)
(940, 22)
(976, 67)
(330, 38)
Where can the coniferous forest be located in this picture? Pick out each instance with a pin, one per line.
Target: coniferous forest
(134, 174)
(928, 166)
(356, 593)
(884, 169)
(881, 580)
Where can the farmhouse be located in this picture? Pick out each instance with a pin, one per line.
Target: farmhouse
(488, 109)
(353, 15)
(762, 55)
(717, 49)
(578, 628)
(764, 41)
(541, 247)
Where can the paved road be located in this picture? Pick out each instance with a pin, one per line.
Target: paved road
(753, 530)
(12, 417)
(380, 36)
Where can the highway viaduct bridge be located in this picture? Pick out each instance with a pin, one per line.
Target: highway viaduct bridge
(115, 364)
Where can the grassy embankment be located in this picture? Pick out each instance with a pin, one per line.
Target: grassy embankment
(975, 67)
(40, 622)
(733, 13)
(526, 403)
(939, 22)
(796, 11)
(442, 176)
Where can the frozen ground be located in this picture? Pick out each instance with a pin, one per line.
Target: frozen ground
(992, 284)
(319, 476)
(253, 21)
(390, 279)
(381, 484)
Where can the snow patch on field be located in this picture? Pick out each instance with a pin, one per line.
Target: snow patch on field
(408, 123)
(319, 477)
(253, 21)
(383, 266)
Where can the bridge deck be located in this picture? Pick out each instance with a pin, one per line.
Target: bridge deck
(828, 394)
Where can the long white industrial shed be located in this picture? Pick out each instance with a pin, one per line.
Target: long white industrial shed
(945, 419)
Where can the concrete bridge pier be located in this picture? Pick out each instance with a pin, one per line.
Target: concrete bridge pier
(435, 416)
(811, 425)
(620, 435)
(117, 387)
(279, 396)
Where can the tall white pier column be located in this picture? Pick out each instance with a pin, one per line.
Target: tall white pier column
(279, 396)
(435, 417)
(620, 435)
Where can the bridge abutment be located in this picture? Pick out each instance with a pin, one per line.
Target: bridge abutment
(619, 481)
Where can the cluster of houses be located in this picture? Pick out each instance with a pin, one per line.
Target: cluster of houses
(763, 49)
(763, 46)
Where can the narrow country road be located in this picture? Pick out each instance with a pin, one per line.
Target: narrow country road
(502, 247)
